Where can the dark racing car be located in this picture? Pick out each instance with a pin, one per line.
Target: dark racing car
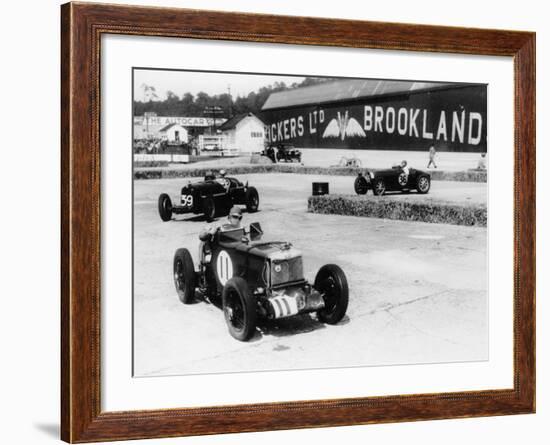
(257, 279)
(398, 178)
(283, 153)
(212, 197)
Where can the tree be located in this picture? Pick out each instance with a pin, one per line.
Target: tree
(190, 105)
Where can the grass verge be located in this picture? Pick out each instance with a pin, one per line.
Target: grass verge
(402, 209)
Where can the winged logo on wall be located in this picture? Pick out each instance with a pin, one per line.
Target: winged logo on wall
(343, 126)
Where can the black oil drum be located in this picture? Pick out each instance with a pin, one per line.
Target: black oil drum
(319, 188)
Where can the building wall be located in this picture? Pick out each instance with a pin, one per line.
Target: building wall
(248, 136)
(170, 134)
(453, 119)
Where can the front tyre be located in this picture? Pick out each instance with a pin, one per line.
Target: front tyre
(209, 208)
(252, 200)
(361, 185)
(332, 283)
(423, 184)
(165, 207)
(184, 276)
(239, 309)
(379, 187)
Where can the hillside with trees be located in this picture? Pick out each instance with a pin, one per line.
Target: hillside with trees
(190, 105)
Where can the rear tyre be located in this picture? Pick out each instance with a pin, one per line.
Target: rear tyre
(252, 200)
(379, 187)
(423, 184)
(333, 284)
(239, 309)
(165, 207)
(361, 185)
(184, 276)
(209, 208)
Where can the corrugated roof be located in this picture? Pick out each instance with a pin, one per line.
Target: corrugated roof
(167, 127)
(345, 90)
(232, 122)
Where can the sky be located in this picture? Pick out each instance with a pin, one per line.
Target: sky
(181, 82)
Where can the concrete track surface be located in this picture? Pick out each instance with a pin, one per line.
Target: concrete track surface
(418, 291)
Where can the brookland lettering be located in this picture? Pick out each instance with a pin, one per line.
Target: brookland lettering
(453, 126)
(465, 127)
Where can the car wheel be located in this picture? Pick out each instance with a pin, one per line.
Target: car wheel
(361, 185)
(423, 184)
(252, 200)
(379, 187)
(332, 283)
(184, 276)
(239, 309)
(209, 208)
(165, 207)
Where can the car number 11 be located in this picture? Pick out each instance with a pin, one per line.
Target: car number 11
(224, 267)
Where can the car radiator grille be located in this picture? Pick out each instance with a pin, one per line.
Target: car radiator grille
(286, 271)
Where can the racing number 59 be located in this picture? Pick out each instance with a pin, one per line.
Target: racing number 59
(187, 200)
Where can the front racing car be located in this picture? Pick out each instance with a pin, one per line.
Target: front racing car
(263, 279)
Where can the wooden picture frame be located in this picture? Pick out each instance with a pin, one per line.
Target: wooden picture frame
(82, 26)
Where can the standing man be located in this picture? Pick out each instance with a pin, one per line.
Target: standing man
(482, 163)
(432, 153)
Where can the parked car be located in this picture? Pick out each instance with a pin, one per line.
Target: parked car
(283, 153)
(257, 279)
(392, 179)
(213, 197)
(353, 162)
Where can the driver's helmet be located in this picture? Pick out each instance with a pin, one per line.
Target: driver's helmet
(403, 163)
(223, 173)
(236, 212)
(235, 216)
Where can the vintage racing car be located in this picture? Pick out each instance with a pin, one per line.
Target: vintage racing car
(257, 279)
(212, 197)
(353, 162)
(283, 153)
(392, 179)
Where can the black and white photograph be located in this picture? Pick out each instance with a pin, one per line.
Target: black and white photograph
(288, 222)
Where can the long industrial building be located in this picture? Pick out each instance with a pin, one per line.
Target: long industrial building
(380, 115)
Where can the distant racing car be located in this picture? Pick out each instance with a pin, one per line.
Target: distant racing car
(283, 153)
(257, 279)
(392, 179)
(212, 197)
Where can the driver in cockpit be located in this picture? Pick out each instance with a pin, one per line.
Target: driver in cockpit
(234, 222)
(405, 170)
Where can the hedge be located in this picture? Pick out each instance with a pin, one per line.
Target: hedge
(430, 211)
(149, 164)
(185, 172)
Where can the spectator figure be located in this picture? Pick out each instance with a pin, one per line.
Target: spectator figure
(432, 153)
(482, 163)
